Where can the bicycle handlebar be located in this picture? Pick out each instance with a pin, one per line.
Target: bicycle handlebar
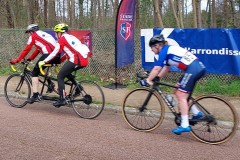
(24, 62)
(13, 68)
(45, 65)
(144, 74)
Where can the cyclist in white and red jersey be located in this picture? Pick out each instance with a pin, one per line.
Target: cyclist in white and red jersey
(45, 44)
(193, 68)
(76, 53)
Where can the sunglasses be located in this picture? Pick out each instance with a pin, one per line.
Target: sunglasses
(153, 45)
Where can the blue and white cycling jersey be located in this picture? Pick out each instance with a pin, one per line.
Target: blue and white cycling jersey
(174, 56)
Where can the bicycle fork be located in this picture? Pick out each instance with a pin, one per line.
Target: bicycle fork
(143, 107)
(19, 86)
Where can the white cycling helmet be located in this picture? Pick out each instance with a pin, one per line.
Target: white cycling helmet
(32, 28)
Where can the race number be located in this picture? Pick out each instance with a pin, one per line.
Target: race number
(188, 58)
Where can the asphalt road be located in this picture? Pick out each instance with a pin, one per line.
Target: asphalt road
(43, 132)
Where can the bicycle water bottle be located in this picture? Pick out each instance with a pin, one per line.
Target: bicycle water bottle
(171, 100)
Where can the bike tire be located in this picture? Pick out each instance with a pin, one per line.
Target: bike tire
(17, 90)
(91, 101)
(148, 119)
(223, 128)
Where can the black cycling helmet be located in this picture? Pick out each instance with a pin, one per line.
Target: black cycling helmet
(156, 39)
(32, 28)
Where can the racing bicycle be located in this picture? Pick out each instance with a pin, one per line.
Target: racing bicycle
(144, 110)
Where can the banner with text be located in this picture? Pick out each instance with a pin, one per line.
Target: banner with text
(124, 36)
(218, 49)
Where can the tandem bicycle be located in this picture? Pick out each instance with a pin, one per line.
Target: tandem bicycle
(88, 104)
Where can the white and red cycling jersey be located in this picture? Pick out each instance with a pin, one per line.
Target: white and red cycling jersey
(74, 50)
(44, 42)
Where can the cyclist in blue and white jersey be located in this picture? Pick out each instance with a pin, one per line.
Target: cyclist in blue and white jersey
(193, 68)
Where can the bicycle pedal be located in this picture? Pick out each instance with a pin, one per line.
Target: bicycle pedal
(50, 88)
(67, 100)
(32, 99)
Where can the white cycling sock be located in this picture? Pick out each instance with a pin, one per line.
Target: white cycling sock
(194, 109)
(185, 121)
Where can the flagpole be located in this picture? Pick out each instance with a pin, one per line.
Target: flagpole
(116, 46)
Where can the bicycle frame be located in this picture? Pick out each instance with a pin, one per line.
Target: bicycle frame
(17, 90)
(156, 87)
(26, 74)
(86, 99)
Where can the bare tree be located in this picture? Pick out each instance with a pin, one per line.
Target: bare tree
(70, 10)
(174, 12)
(45, 12)
(99, 16)
(198, 13)
(180, 12)
(157, 15)
(93, 11)
(102, 13)
(51, 13)
(226, 14)
(29, 5)
(213, 14)
(194, 14)
(10, 17)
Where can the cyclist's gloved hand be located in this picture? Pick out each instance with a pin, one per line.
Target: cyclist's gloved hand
(13, 61)
(156, 79)
(41, 63)
(29, 60)
(144, 83)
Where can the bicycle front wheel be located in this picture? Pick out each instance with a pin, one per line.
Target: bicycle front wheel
(17, 90)
(219, 121)
(90, 102)
(143, 109)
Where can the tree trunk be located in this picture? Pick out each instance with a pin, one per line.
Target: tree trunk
(69, 11)
(180, 12)
(81, 18)
(45, 13)
(30, 12)
(137, 15)
(93, 12)
(99, 17)
(10, 20)
(198, 13)
(226, 14)
(213, 15)
(174, 12)
(51, 14)
(157, 15)
(194, 14)
(232, 14)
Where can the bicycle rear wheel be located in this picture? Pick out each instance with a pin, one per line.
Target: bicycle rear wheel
(90, 102)
(140, 119)
(17, 90)
(222, 123)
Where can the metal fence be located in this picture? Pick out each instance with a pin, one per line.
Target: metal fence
(102, 63)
